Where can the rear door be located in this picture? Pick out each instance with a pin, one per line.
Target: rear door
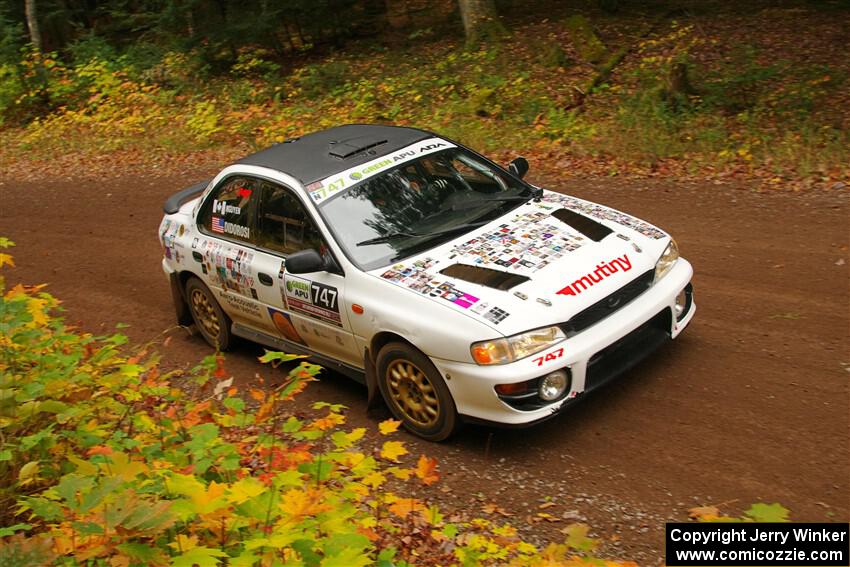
(224, 247)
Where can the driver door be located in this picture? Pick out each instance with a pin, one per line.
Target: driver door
(306, 309)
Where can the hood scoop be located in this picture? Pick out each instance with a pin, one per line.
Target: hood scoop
(496, 279)
(585, 225)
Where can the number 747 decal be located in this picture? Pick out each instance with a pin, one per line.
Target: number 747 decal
(554, 355)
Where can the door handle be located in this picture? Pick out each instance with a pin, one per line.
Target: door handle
(265, 279)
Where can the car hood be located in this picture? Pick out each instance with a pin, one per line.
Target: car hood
(541, 264)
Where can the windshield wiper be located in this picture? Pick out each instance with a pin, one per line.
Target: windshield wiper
(394, 235)
(535, 194)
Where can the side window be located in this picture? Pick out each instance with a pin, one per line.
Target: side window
(283, 225)
(229, 209)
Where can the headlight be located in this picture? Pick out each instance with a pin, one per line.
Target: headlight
(666, 261)
(502, 351)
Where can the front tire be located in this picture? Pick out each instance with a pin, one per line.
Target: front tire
(415, 392)
(207, 314)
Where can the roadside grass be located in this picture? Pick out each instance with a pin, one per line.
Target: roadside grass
(747, 113)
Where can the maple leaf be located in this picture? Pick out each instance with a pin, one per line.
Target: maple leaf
(761, 512)
(388, 426)
(401, 474)
(392, 450)
(577, 538)
(703, 513)
(329, 421)
(426, 470)
(299, 502)
(37, 309)
(374, 479)
(6, 260)
(404, 506)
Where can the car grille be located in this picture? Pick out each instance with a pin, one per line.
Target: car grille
(608, 305)
(622, 355)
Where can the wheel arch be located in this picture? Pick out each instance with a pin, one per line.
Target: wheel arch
(379, 340)
(178, 295)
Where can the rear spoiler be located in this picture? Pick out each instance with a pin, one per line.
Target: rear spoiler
(173, 203)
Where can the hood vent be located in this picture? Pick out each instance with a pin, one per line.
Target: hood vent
(585, 225)
(496, 279)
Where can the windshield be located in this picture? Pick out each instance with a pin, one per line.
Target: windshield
(418, 205)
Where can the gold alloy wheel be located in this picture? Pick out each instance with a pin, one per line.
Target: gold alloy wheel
(205, 313)
(413, 393)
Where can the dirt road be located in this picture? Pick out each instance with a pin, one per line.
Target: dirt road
(750, 404)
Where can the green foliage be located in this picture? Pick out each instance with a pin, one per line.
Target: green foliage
(104, 461)
(744, 113)
(322, 79)
(586, 42)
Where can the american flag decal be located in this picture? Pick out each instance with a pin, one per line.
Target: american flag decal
(218, 224)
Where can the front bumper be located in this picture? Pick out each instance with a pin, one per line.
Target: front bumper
(592, 357)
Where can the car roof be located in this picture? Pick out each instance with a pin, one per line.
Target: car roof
(319, 155)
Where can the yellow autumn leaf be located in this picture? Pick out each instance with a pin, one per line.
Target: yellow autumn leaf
(392, 450)
(28, 472)
(299, 502)
(6, 260)
(245, 489)
(184, 543)
(374, 479)
(356, 434)
(121, 465)
(37, 309)
(388, 426)
(399, 473)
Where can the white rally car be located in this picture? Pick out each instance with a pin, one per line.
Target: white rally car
(454, 289)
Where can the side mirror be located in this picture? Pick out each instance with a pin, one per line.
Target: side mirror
(304, 262)
(519, 167)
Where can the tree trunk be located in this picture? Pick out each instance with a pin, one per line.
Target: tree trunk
(32, 24)
(480, 20)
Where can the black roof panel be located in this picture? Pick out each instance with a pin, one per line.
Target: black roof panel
(321, 154)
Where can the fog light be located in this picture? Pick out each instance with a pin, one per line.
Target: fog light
(681, 304)
(553, 386)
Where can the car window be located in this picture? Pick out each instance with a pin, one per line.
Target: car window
(229, 210)
(283, 224)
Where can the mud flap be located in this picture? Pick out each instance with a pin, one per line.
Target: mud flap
(374, 399)
(184, 317)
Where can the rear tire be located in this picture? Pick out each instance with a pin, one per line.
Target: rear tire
(209, 318)
(415, 392)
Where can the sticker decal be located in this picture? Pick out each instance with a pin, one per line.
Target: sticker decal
(283, 323)
(416, 277)
(332, 185)
(242, 304)
(602, 271)
(228, 267)
(220, 226)
(554, 355)
(526, 243)
(223, 208)
(605, 213)
(314, 299)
